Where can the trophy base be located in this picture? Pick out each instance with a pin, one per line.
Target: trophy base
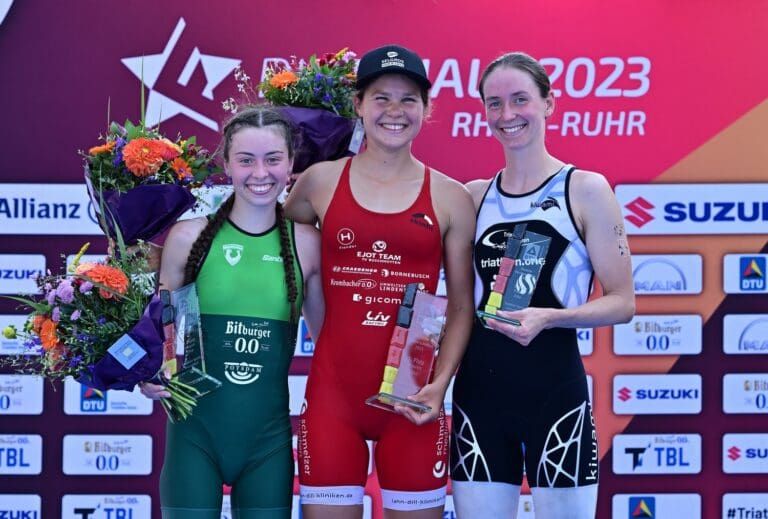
(387, 402)
(485, 315)
(202, 382)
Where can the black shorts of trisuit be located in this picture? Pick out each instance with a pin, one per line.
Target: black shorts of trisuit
(502, 425)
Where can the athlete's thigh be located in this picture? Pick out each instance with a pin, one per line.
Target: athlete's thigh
(264, 490)
(561, 448)
(565, 503)
(333, 454)
(484, 444)
(476, 499)
(412, 463)
(190, 481)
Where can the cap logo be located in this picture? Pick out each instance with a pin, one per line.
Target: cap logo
(391, 54)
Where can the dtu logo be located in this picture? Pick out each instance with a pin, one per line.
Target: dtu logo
(752, 272)
(642, 507)
(625, 394)
(148, 68)
(734, 453)
(639, 209)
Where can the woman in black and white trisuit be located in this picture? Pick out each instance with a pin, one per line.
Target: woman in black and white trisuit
(520, 398)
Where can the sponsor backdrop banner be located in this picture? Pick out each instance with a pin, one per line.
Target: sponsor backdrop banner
(667, 99)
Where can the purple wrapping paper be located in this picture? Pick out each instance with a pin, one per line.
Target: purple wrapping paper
(324, 135)
(108, 373)
(145, 211)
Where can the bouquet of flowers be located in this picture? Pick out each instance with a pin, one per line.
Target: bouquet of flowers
(101, 324)
(140, 182)
(316, 95)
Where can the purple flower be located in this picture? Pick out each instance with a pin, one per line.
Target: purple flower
(86, 287)
(56, 315)
(50, 297)
(75, 361)
(327, 98)
(75, 315)
(102, 320)
(65, 291)
(208, 182)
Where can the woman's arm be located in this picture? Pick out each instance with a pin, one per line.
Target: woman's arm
(455, 203)
(308, 246)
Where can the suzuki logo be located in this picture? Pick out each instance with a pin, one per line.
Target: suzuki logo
(625, 394)
(734, 453)
(639, 208)
(147, 68)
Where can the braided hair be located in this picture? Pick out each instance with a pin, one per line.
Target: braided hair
(250, 117)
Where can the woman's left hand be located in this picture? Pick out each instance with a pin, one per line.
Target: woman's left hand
(431, 395)
(532, 322)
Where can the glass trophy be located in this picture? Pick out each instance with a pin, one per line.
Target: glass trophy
(184, 336)
(519, 272)
(412, 349)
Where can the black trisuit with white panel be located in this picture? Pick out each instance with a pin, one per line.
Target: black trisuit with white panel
(518, 407)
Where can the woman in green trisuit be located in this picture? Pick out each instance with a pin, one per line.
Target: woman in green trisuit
(255, 271)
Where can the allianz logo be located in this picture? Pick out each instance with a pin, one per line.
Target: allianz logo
(29, 208)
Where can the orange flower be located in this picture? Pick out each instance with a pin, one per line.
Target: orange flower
(172, 150)
(181, 167)
(37, 323)
(102, 149)
(283, 79)
(48, 335)
(83, 268)
(143, 157)
(110, 277)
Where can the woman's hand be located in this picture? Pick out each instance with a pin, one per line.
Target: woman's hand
(153, 391)
(431, 395)
(532, 322)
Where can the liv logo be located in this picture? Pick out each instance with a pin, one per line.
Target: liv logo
(148, 68)
(752, 273)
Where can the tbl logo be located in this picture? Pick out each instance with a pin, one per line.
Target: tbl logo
(148, 68)
(639, 214)
(752, 273)
(642, 506)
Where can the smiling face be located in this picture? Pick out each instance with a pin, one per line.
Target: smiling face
(259, 164)
(392, 110)
(514, 107)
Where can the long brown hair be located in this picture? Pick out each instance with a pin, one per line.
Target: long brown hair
(250, 117)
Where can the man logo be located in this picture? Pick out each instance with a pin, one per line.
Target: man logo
(379, 246)
(547, 203)
(439, 469)
(639, 208)
(232, 253)
(242, 373)
(303, 407)
(148, 67)
(345, 236)
(754, 336)
(642, 507)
